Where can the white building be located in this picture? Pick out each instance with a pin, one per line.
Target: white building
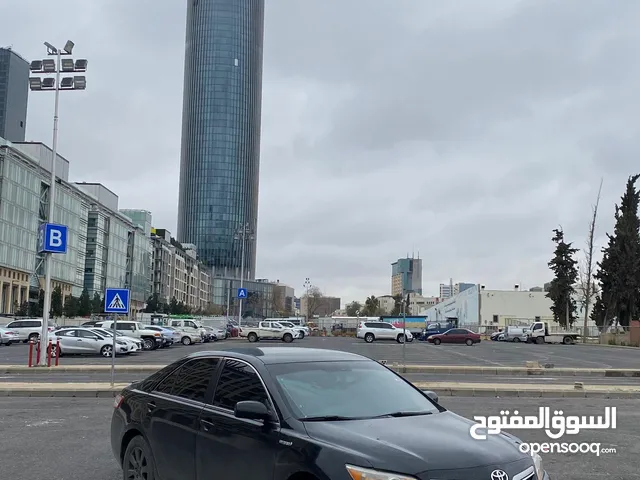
(477, 306)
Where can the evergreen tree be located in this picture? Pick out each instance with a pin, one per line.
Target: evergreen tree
(153, 304)
(173, 306)
(22, 310)
(564, 266)
(84, 304)
(56, 302)
(619, 270)
(353, 309)
(70, 307)
(97, 304)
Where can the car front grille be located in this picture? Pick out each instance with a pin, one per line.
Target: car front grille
(482, 473)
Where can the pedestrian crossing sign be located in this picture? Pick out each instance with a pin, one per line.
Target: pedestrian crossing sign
(116, 300)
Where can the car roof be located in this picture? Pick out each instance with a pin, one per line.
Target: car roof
(273, 355)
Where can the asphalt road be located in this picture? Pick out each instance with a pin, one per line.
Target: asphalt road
(68, 439)
(414, 377)
(485, 354)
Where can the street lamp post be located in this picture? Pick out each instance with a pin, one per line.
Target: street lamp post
(243, 234)
(47, 84)
(307, 286)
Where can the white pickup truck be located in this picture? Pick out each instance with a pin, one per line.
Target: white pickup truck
(268, 331)
(539, 333)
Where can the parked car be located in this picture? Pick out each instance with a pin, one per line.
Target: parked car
(371, 331)
(29, 329)
(302, 330)
(151, 339)
(190, 327)
(85, 341)
(215, 334)
(168, 337)
(137, 343)
(295, 413)
(268, 331)
(455, 335)
(495, 335)
(7, 337)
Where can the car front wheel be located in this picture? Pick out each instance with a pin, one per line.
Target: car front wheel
(468, 341)
(138, 464)
(186, 341)
(287, 338)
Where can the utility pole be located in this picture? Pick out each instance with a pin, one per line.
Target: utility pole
(53, 238)
(307, 286)
(244, 233)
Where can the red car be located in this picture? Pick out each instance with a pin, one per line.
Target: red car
(455, 335)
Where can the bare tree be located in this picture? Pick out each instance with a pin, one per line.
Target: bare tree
(314, 299)
(588, 288)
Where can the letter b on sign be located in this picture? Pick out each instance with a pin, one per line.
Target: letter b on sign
(54, 238)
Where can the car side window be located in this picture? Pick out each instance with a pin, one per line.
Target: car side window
(85, 334)
(190, 381)
(238, 382)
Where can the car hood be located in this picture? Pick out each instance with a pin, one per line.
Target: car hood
(411, 445)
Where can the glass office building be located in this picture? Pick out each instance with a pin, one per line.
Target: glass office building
(220, 155)
(14, 92)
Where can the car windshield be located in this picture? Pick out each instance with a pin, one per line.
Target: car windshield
(354, 389)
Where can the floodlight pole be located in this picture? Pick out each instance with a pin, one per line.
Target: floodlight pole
(48, 260)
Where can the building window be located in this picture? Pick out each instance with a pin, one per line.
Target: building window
(495, 319)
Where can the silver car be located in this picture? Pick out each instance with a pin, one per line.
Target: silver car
(136, 343)
(7, 337)
(79, 341)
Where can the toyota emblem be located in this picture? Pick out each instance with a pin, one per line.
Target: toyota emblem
(499, 475)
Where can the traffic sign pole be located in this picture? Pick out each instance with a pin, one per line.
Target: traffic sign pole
(113, 351)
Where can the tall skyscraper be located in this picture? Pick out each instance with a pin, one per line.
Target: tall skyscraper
(406, 276)
(220, 157)
(14, 92)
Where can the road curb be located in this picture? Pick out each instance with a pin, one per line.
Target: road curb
(443, 389)
(420, 369)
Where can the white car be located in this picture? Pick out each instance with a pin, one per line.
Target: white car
(269, 331)
(7, 337)
(135, 343)
(302, 330)
(371, 331)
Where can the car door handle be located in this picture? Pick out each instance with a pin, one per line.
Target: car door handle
(206, 425)
(151, 406)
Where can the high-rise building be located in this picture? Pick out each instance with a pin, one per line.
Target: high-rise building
(14, 92)
(406, 276)
(221, 117)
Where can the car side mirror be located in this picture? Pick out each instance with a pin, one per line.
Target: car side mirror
(432, 395)
(251, 410)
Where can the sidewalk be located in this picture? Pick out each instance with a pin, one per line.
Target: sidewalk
(444, 389)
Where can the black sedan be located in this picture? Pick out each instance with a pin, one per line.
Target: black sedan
(285, 413)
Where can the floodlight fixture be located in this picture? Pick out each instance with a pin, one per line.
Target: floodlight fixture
(68, 47)
(36, 66)
(48, 83)
(81, 65)
(49, 65)
(79, 83)
(35, 83)
(66, 83)
(67, 65)
(52, 50)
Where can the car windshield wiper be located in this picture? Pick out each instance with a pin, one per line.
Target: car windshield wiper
(328, 418)
(403, 414)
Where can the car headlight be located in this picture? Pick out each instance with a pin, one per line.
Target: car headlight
(359, 473)
(537, 461)
(120, 342)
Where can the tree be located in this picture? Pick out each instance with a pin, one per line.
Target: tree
(314, 300)
(22, 310)
(97, 304)
(354, 309)
(56, 302)
(588, 289)
(213, 309)
(173, 306)
(84, 304)
(564, 266)
(153, 304)
(37, 307)
(619, 269)
(371, 307)
(70, 307)
(398, 306)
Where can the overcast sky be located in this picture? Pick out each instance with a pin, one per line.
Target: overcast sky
(465, 131)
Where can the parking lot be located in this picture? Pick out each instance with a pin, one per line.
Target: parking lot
(76, 435)
(484, 354)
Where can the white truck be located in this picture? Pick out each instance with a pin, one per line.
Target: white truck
(268, 331)
(150, 338)
(539, 333)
